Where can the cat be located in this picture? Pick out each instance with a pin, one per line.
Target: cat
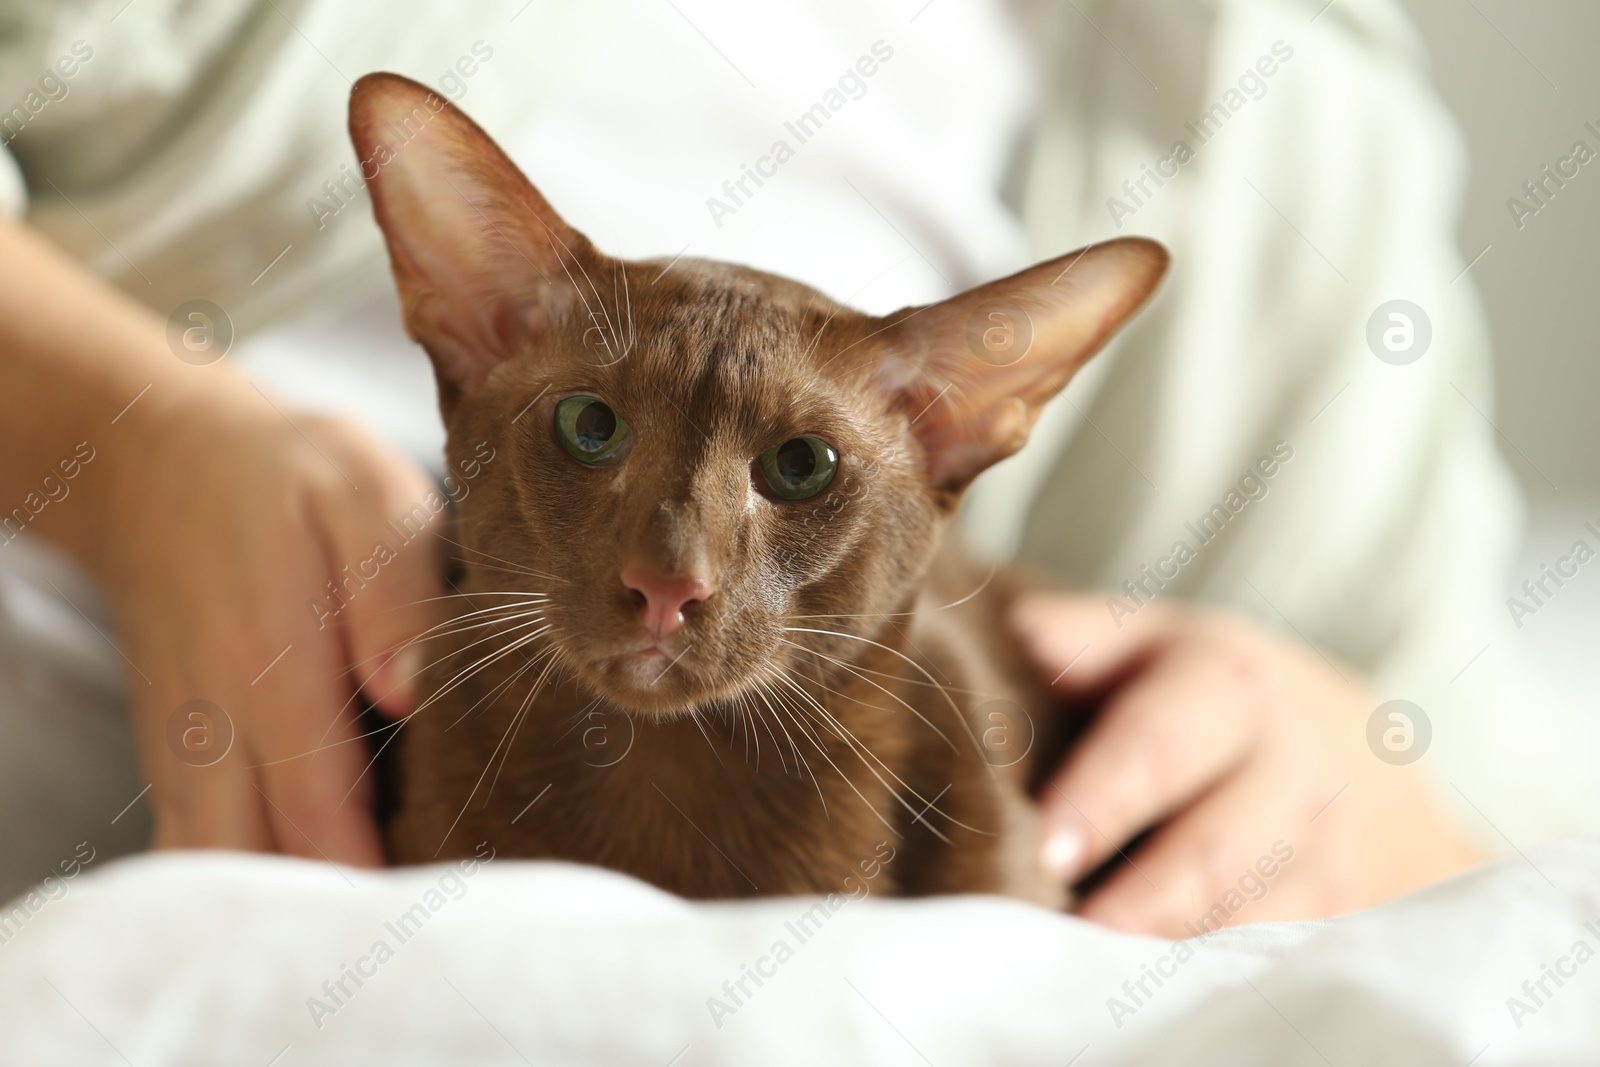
(709, 628)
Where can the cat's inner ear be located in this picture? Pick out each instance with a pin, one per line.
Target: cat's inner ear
(480, 260)
(972, 372)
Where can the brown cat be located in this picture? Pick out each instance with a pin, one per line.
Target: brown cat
(705, 633)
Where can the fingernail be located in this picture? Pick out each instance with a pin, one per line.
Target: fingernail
(395, 681)
(1061, 852)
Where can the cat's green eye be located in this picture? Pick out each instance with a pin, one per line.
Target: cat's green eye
(800, 468)
(591, 432)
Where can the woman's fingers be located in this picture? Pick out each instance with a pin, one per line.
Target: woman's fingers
(198, 803)
(267, 595)
(1162, 739)
(312, 764)
(1214, 865)
(1076, 642)
(387, 583)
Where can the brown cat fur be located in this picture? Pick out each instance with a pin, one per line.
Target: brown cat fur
(826, 698)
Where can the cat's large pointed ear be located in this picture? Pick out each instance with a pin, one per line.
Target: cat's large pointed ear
(481, 261)
(973, 371)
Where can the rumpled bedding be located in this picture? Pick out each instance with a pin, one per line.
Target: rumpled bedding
(222, 958)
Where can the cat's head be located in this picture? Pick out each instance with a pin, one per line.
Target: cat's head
(701, 466)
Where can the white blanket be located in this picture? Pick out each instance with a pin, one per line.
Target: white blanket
(220, 958)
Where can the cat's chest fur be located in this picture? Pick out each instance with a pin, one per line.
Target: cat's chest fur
(785, 793)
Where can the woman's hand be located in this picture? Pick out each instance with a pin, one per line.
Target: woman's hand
(216, 523)
(269, 566)
(1249, 756)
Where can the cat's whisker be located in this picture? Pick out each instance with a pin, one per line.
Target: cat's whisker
(446, 628)
(748, 729)
(627, 296)
(913, 664)
(481, 665)
(822, 749)
(624, 307)
(882, 329)
(502, 617)
(993, 570)
(495, 567)
(859, 289)
(522, 593)
(694, 717)
(467, 622)
(915, 681)
(374, 732)
(858, 701)
(832, 723)
(763, 689)
(794, 749)
(504, 741)
(751, 715)
(504, 627)
(394, 729)
(862, 751)
(487, 700)
(861, 615)
(579, 716)
(615, 344)
(820, 331)
(842, 665)
(451, 628)
(782, 763)
(555, 240)
(497, 559)
(517, 721)
(886, 674)
(745, 724)
(339, 716)
(373, 760)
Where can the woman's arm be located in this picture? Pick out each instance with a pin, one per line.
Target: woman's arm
(215, 521)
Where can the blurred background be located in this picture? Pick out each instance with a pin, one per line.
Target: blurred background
(1522, 81)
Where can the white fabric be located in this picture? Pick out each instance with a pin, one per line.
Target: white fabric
(1333, 187)
(178, 159)
(208, 959)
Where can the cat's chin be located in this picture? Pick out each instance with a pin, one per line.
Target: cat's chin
(649, 682)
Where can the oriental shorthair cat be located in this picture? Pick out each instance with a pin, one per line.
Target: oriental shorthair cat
(709, 628)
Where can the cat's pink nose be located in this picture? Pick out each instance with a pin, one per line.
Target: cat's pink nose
(663, 598)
